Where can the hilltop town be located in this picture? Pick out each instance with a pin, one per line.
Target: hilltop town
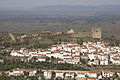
(59, 39)
(90, 53)
(59, 56)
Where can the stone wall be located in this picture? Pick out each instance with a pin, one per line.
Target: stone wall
(95, 33)
(82, 34)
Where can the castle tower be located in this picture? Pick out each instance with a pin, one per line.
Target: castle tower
(96, 32)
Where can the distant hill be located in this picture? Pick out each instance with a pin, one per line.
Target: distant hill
(80, 10)
(64, 11)
(62, 18)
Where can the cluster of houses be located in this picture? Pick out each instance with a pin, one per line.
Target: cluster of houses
(95, 53)
(64, 74)
(18, 72)
(79, 75)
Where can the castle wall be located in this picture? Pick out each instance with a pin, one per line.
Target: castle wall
(96, 33)
(82, 34)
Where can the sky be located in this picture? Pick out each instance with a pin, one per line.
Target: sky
(28, 4)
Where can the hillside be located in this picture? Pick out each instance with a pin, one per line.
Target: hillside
(62, 18)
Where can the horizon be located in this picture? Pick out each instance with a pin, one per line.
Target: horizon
(56, 5)
(25, 5)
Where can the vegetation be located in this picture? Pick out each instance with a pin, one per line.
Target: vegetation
(12, 64)
(83, 61)
(80, 41)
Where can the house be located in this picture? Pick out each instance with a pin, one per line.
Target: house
(91, 49)
(103, 57)
(67, 56)
(116, 61)
(100, 52)
(14, 53)
(41, 59)
(84, 50)
(104, 62)
(47, 74)
(76, 58)
(61, 61)
(16, 72)
(81, 75)
(91, 56)
(92, 74)
(84, 57)
(54, 47)
(57, 54)
(59, 74)
(32, 72)
(107, 74)
(97, 61)
(69, 74)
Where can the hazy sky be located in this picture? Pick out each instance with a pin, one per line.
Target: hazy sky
(26, 4)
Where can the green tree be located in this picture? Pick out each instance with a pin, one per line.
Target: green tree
(53, 75)
(83, 61)
(26, 73)
(116, 75)
(80, 41)
(117, 43)
(47, 59)
(64, 75)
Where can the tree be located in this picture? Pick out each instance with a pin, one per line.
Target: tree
(52, 59)
(116, 75)
(80, 41)
(64, 75)
(53, 75)
(75, 76)
(47, 59)
(4, 77)
(26, 73)
(83, 61)
(41, 74)
(117, 43)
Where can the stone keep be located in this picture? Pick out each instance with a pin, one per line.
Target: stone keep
(96, 32)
